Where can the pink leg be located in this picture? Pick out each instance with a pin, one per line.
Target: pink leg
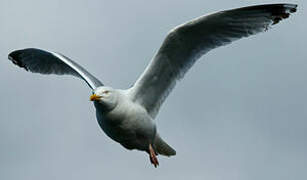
(153, 157)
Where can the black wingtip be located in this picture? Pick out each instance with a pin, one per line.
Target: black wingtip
(283, 12)
(292, 7)
(15, 58)
(277, 12)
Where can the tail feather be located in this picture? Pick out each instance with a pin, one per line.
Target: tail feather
(163, 148)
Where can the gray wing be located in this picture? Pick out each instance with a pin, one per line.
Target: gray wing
(43, 62)
(188, 42)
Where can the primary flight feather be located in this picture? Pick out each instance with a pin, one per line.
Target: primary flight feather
(127, 116)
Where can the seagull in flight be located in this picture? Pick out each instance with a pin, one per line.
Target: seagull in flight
(128, 116)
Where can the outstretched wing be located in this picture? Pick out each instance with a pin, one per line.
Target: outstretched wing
(188, 42)
(43, 62)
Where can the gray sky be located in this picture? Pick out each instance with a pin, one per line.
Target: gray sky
(248, 123)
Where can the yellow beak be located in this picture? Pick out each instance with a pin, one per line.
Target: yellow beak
(95, 97)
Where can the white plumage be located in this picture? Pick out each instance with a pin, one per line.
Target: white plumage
(127, 116)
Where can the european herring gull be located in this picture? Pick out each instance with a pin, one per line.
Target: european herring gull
(127, 116)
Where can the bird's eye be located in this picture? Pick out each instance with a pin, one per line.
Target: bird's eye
(106, 92)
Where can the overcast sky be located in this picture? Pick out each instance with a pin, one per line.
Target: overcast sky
(240, 113)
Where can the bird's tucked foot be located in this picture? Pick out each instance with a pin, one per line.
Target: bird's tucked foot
(152, 156)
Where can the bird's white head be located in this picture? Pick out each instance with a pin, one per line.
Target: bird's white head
(105, 96)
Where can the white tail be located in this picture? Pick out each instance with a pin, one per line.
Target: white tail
(163, 148)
